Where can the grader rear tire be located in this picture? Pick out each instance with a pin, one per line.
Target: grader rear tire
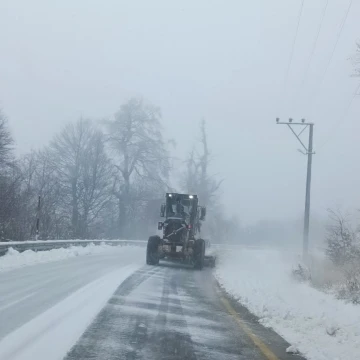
(152, 251)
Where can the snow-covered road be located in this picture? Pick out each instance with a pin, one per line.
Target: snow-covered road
(35, 299)
(109, 305)
(173, 312)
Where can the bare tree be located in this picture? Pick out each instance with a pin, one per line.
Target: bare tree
(340, 239)
(6, 142)
(96, 179)
(197, 178)
(39, 173)
(10, 205)
(84, 173)
(10, 181)
(139, 152)
(47, 186)
(191, 178)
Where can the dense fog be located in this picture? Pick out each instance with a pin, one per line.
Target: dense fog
(106, 106)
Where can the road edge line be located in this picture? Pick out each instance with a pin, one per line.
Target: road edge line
(269, 355)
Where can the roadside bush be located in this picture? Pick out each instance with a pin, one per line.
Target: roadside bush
(301, 273)
(343, 249)
(341, 240)
(349, 289)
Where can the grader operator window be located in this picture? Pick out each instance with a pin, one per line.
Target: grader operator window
(180, 206)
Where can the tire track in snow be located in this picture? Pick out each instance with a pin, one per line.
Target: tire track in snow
(17, 301)
(105, 337)
(171, 339)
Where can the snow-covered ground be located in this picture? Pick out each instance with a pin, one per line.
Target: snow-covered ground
(45, 307)
(14, 259)
(318, 325)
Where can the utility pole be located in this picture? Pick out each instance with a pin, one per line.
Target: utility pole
(309, 152)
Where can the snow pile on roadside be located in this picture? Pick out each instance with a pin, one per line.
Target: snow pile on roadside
(14, 259)
(318, 325)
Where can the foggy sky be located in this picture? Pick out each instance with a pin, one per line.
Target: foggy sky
(224, 61)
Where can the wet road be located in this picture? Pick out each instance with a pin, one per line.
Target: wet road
(172, 312)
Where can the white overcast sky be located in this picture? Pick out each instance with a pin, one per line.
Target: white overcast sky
(222, 60)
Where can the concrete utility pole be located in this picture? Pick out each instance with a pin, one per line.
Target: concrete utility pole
(309, 152)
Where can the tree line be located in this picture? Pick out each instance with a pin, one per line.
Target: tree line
(98, 180)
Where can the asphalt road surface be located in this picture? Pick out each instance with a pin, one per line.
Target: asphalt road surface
(172, 312)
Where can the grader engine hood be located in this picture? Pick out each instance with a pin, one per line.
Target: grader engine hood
(175, 230)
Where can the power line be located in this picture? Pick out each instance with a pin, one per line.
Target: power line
(337, 40)
(342, 118)
(294, 41)
(314, 95)
(315, 42)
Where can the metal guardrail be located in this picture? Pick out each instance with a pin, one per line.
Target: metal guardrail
(43, 245)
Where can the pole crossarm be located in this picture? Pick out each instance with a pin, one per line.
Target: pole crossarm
(305, 126)
(293, 123)
(297, 136)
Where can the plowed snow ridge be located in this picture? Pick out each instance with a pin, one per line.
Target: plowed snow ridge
(14, 259)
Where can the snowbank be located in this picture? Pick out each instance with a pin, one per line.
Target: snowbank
(14, 259)
(318, 325)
